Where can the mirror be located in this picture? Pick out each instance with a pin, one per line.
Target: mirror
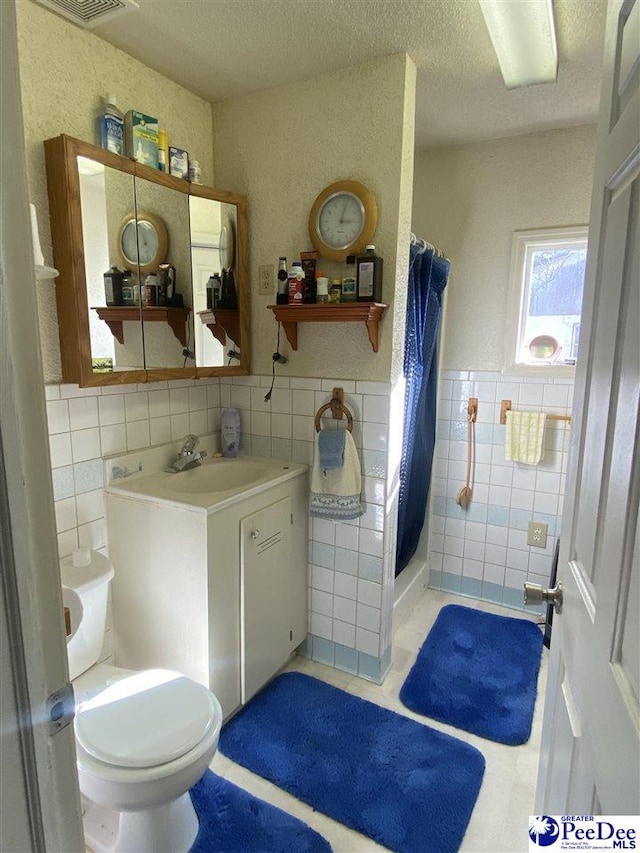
(158, 207)
(105, 196)
(140, 255)
(214, 226)
(137, 265)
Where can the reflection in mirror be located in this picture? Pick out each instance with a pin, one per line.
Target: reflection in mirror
(105, 194)
(544, 347)
(215, 281)
(165, 275)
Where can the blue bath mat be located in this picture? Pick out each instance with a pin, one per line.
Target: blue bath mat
(234, 821)
(405, 785)
(478, 672)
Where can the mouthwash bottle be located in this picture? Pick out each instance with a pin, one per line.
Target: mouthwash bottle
(110, 126)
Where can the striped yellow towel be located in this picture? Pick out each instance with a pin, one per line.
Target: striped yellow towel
(524, 437)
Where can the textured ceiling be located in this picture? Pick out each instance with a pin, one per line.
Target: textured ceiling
(222, 49)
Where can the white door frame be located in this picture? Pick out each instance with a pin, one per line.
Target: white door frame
(42, 787)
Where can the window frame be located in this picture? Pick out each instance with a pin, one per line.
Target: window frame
(517, 307)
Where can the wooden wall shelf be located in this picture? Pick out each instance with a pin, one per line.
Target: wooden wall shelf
(369, 313)
(222, 322)
(115, 315)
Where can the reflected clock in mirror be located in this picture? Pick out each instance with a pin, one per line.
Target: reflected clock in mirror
(143, 243)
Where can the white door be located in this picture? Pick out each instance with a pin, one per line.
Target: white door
(590, 759)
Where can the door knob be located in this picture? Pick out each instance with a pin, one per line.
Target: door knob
(535, 594)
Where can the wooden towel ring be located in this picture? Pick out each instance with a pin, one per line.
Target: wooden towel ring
(338, 409)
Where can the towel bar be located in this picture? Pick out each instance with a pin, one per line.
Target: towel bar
(338, 409)
(505, 407)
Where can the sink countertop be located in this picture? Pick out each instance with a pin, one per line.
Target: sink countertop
(232, 479)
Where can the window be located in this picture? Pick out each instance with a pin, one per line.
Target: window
(545, 299)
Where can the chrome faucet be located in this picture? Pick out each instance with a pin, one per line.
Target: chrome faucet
(188, 457)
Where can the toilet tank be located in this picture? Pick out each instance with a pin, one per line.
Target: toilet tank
(90, 583)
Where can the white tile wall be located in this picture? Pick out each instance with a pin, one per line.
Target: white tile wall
(86, 424)
(349, 626)
(482, 551)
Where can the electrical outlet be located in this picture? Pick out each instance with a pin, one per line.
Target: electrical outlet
(265, 273)
(537, 534)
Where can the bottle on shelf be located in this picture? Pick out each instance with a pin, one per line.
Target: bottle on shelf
(113, 281)
(369, 276)
(195, 172)
(228, 296)
(349, 281)
(283, 282)
(110, 126)
(231, 289)
(296, 278)
(322, 288)
(216, 287)
(309, 283)
(163, 151)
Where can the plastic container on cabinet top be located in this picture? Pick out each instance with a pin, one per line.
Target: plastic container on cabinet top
(230, 432)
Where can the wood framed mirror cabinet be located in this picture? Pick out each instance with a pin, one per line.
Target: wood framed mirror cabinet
(153, 280)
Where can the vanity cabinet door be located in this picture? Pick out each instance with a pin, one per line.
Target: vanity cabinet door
(266, 630)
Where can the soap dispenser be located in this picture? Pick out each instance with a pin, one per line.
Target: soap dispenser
(230, 432)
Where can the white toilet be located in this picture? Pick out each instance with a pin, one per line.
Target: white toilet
(142, 738)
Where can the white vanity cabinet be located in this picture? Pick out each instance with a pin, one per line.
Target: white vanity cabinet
(219, 594)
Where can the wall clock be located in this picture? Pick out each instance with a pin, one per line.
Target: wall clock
(343, 220)
(142, 242)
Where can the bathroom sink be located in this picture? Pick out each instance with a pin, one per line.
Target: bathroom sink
(210, 486)
(220, 475)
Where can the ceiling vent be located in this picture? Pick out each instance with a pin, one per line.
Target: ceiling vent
(90, 13)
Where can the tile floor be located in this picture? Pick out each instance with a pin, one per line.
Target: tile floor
(500, 818)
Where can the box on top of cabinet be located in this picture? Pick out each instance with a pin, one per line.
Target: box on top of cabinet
(141, 138)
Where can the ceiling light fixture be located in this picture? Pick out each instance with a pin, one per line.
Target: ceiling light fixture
(524, 38)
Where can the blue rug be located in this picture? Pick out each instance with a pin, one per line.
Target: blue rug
(234, 821)
(478, 672)
(405, 785)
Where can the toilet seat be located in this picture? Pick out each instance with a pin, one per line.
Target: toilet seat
(146, 719)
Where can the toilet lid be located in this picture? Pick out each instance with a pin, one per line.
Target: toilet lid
(146, 719)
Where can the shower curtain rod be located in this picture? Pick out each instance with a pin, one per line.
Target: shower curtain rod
(424, 245)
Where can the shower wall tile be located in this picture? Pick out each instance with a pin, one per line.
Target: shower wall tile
(482, 551)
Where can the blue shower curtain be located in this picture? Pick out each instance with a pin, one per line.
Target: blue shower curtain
(428, 276)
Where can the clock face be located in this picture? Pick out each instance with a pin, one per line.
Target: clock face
(341, 220)
(143, 249)
(142, 243)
